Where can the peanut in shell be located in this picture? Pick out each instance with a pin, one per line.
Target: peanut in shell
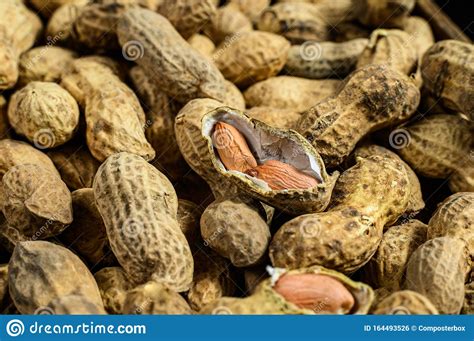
(139, 207)
(448, 73)
(251, 57)
(437, 270)
(184, 73)
(371, 98)
(113, 285)
(40, 272)
(236, 231)
(266, 301)
(290, 93)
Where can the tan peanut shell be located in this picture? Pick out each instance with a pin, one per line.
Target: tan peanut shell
(15, 153)
(75, 305)
(266, 301)
(437, 270)
(160, 112)
(45, 113)
(113, 285)
(40, 272)
(44, 64)
(454, 218)
(393, 48)
(47, 7)
(19, 29)
(251, 57)
(92, 27)
(87, 235)
(292, 93)
(387, 13)
(35, 201)
(188, 16)
(236, 231)
(202, 44)
(227, 25)
(269, 143)
(448, 73)
(365, 198)
(324, 59)
(251, 8)
(416, 196)
(275, 117)
(439, 146)
(184, 73)
(76, 165)
(387, 267)
(154, 298)
(114, 117)
(405, 302)
(420, 33)
(297, 22)
(371, 98)
(60, 24)
(139, 205)
(348, 30)
(213, 278)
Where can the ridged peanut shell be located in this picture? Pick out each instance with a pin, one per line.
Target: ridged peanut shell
(448, 73)
(292, 93)
(35, 201)
(75, 305)
(154, 298)
(393, 48)
(371, 98)
(405, 302)
(251, 57)
(44, 64)
(454, 218)
(188, 16)
(416, 196)
(41, 271)
(387, 267)
(236, 231)
(275, 117)
(298, 22)
(14, 153)
(420, 32)
(266, 301)
(269, 143)
(139, 205)
(437, 145)
(47, 7)
(60, 24)
(324, 59)
(113, 285)
(4, 124)
(437, 270)
(251, 8)
(182, 72)
(202, 44)
(45, 113)
(226, 26)
(189, 215)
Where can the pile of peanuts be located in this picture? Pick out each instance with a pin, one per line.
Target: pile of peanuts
(234, 157)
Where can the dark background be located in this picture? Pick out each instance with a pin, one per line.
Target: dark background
(461, 12)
